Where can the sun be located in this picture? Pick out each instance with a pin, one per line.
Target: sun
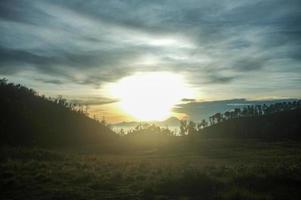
(150, 95)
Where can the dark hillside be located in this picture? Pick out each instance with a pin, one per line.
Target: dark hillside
(278, 125)
(29, 119)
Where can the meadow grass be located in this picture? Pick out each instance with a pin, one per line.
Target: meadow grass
(213, 169)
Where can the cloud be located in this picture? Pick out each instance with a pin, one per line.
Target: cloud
(213, 43)
(188, 100)
(93, 101)
(249, 64)
(50, 81)
(217, 79)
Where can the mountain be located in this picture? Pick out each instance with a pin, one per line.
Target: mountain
(30, 119)
(170, 122)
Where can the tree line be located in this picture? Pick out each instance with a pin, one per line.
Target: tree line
(189, 127)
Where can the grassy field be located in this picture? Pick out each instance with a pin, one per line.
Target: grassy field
(213, 169)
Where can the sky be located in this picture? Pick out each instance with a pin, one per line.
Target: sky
(223, 50)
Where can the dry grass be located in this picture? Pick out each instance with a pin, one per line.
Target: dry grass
(216, 170)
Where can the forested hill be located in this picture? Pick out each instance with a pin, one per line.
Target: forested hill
(277, 125)
(30, 119)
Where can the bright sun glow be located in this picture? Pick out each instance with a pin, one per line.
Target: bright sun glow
(150, 96)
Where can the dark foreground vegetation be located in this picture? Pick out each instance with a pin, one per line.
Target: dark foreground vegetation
(217, 169)
(50, 149)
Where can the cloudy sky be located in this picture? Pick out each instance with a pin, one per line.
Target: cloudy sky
(225, 49)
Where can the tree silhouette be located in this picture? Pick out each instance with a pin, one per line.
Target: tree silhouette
(211, 120)
(203, 124)
(191, 128)
(217, 118)
(183, 127)
(236, 112)
(227, 115)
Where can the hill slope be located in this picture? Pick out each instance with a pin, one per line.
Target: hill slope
(279, 125)
(30, 119)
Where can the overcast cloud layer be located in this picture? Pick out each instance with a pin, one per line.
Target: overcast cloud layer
(226, 48)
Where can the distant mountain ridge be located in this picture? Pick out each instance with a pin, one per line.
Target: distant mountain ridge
(170, 122)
